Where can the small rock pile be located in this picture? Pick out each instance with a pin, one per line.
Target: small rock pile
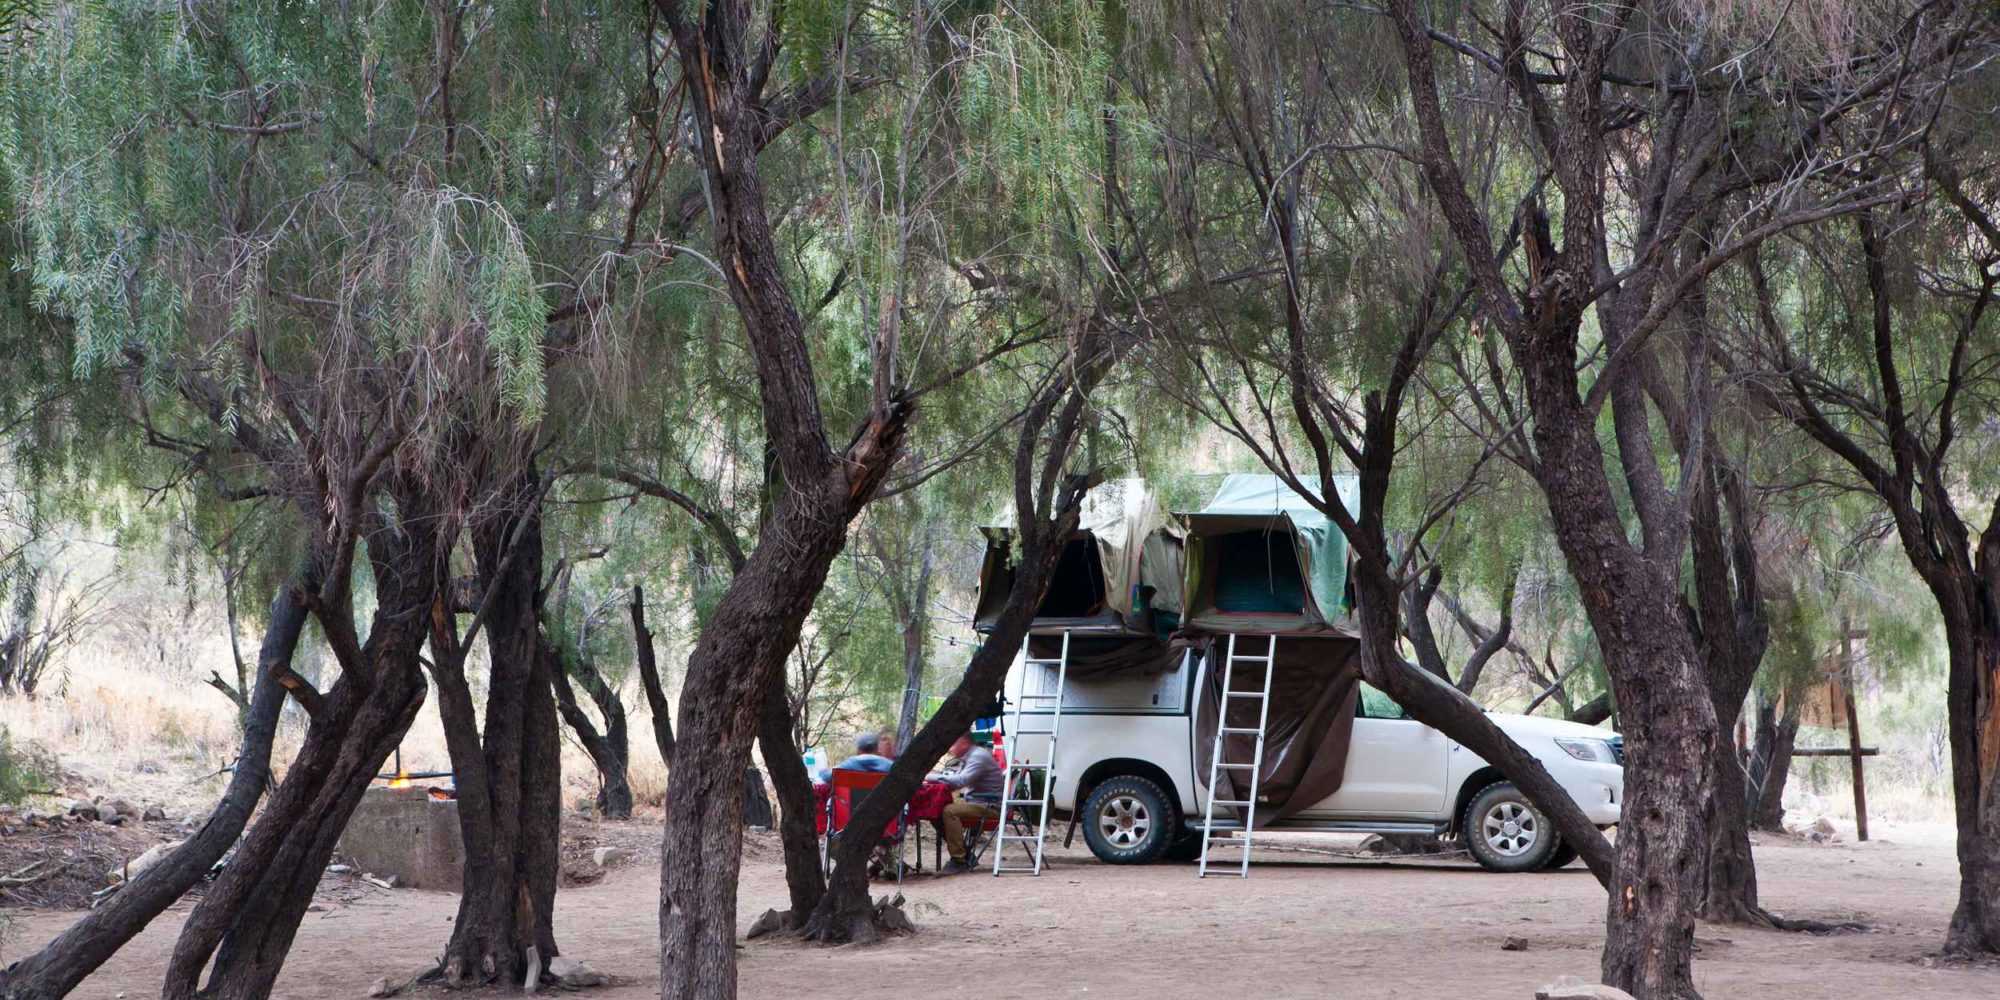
(113, 812)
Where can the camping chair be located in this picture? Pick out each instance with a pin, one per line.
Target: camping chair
(845, 792)
(977, 845)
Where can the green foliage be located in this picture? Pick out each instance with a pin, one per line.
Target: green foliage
(25, 769)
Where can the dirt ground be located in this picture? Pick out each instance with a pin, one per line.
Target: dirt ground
(1306, 924)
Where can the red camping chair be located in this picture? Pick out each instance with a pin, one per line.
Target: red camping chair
(843, 793)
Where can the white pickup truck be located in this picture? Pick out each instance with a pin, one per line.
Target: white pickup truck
(1126, 757)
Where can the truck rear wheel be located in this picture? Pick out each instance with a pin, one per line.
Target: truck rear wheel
(1505, 832)
(1128, 820)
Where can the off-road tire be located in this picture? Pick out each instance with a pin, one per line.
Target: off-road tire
(1525, 846)
(1129, 820)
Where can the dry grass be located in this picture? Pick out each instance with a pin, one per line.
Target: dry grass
(154, 734)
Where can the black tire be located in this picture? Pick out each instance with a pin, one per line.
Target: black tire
(1564, 854)
(1518, 837)
(1129, 820)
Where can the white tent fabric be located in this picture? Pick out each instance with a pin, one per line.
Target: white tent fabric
(1137, 544)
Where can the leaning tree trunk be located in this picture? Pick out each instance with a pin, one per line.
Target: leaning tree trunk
(845, 913)
(508, 776)
(1771, 763)
(742, 648)
(1436, 703)
(246, 921)
(608, 750)
(58, 968)
(1973, 705)
(1658, 680)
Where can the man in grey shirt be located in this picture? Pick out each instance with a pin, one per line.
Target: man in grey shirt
(979, 776)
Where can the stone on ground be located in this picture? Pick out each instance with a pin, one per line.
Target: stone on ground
(605, 857)
(1572, 988)
(83, 810)
(155, 814)
(769, 922)
(573, 974)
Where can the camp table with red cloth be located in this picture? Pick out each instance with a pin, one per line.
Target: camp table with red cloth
(929, 802)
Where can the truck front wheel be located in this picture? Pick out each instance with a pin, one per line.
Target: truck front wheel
(1127, 821)
(1505, 832)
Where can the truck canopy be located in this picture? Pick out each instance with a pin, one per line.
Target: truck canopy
(1260, 559)
(1119, 572)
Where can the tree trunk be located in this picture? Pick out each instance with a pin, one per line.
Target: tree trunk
(756, 624)
(508, 776)
(1771, 763)
(914, 635)
(1973, 703)
(1731, 897)
(804, 879)
(1663, 835)
(1433, 701)
(742, 648)
(607, 754)
(57, 969)
(247, 919)
(649, 678)
(846, 913)
(1658, 680)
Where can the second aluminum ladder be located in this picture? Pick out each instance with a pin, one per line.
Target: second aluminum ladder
(1223, 730)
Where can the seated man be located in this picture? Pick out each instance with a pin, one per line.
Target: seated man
(865, 758)
(979, 776)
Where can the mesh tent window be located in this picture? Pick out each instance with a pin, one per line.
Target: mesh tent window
(1257, 572)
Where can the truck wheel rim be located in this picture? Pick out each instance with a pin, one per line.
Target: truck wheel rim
(1124, 821)
(1511, 829)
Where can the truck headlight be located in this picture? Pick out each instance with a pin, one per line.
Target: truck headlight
(1596, 751)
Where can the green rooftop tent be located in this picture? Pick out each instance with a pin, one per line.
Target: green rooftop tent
(1261, 559)
(1262, 562)
(1120, 572)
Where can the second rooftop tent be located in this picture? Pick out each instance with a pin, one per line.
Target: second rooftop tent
(1260, 559)
(1119, 573)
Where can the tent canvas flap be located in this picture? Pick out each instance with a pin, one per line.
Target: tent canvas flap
(1306, 736)
(1136, 544)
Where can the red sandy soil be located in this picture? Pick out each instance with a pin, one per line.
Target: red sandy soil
(1306, 924)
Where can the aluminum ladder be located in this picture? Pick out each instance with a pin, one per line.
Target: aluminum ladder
(1021, 772)
(1223, 730)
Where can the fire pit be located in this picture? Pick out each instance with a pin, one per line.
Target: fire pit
(409, 831)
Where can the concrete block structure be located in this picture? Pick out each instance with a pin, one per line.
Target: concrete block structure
(406, 833)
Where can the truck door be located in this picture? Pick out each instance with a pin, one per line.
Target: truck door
(1395, 765)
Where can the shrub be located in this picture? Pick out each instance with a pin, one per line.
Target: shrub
(25, 769)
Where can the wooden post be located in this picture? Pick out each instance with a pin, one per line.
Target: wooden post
(1847, 635)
